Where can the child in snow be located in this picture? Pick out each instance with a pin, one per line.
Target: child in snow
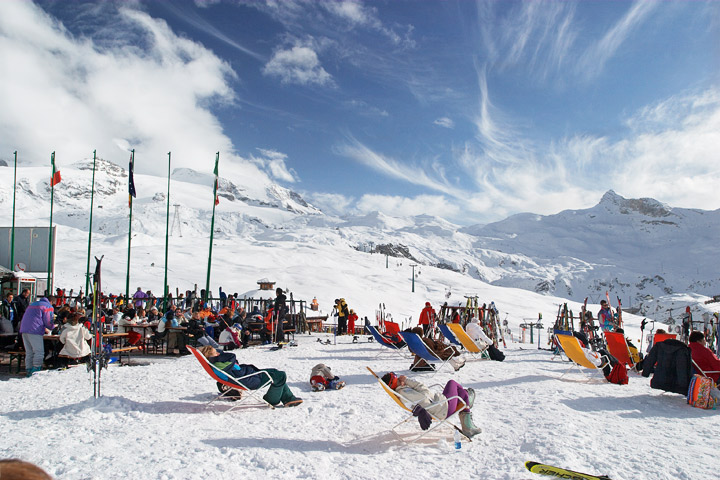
(321, 378)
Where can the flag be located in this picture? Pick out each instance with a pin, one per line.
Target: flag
(217, 199)
(55, 178)
(131, 180)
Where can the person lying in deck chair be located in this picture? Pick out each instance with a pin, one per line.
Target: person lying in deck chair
(443, 351)
(278, 392)
(422, 397)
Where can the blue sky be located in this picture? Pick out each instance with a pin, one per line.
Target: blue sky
(471, 111)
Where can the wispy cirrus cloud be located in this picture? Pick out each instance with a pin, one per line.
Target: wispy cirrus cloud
(593, 60)
(432, 177)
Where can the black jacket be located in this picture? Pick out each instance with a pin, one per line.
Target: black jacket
(670, 360)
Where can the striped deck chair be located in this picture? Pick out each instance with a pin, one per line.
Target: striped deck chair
(476, 349)
(574, 351)
(232, 383)
(403, 403)
(417, 345)
(618, 348)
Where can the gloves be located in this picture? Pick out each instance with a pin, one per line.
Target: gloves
(424, 417)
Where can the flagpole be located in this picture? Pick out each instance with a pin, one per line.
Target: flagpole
(92, 201)
(130, 198)
(212, 228)
(167, 231)
(12, 232)
(50, 232)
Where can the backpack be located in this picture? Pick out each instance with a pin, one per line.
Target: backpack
(618, 374)
(699, 392)
(495, 353)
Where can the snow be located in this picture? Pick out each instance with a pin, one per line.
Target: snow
(151, 421)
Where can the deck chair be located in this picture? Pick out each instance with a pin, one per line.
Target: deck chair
(661, 337)
(618, 348)
(232, 383)
(700, 371)
(384, 341)
(417, 345)
(476, 349)
(403, 403)
(574, 351)
(447, 333)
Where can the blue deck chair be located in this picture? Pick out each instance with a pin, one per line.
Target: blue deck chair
(449, 335)
(417, 345)
(383, 341)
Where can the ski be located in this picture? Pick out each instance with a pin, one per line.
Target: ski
(557, 472)
(619, 312)
(98, 357)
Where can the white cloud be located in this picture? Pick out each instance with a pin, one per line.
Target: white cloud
(331, 203)
(298, 64)
(75, 95)
(445, 122)
(403, 206)
(274, 163)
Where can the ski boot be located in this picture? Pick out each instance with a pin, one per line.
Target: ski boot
(337, 384)
(355, 339)
(471, 396)
(468, 428)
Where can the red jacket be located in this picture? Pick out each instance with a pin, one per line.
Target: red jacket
(705, 359)
(426, 316)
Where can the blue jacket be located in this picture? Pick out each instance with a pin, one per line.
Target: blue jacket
(38, 316)
(227, 362)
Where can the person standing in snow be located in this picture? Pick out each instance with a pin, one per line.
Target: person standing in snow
(427, 317)
(37, 321)
(343, 313)
(605, 317)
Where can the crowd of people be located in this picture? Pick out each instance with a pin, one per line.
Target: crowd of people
(221, 322)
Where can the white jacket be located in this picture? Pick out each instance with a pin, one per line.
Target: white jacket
(475, 331)
(417, 393)
(75, 338)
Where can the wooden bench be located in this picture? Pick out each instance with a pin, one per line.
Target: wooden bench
(124, 352)
(15, 355)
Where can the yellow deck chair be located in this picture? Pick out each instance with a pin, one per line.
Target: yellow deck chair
(403, 402)
(476, 349)
(574, 351)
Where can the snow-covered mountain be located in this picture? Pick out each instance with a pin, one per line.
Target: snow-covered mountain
(638, 249)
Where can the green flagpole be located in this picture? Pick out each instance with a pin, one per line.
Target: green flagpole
(212, 228)
(50, 233)
(12, 231)
(130, 202)
(92, 201)
(167, 234)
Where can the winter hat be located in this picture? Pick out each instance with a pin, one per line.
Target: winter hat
(428, 304)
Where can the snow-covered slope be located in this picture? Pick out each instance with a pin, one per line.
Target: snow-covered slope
(636, 249)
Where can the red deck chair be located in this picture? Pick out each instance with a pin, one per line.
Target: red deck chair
(231, 382)
(618, 348)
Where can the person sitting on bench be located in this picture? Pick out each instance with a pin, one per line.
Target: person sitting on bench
(75, 338)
